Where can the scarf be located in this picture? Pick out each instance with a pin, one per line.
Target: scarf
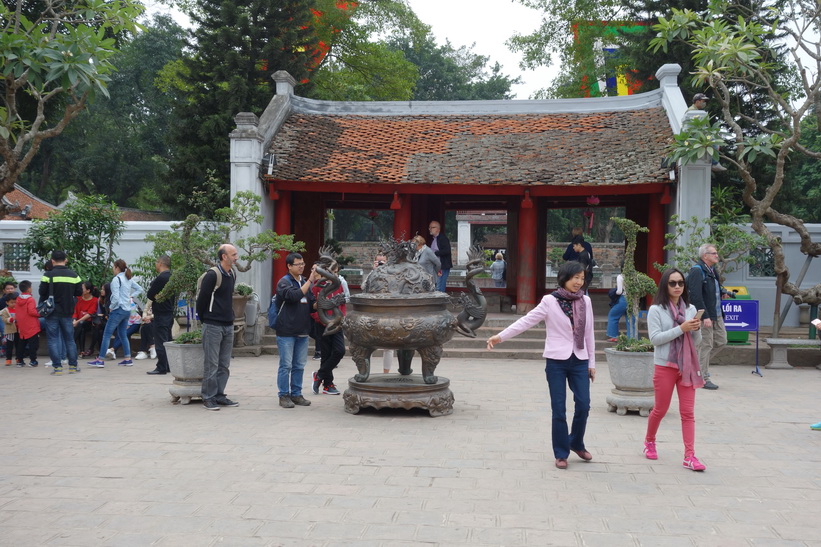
(683, 351)
(575, 308)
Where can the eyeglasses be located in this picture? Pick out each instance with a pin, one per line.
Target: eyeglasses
(676, 283)
(295, 265)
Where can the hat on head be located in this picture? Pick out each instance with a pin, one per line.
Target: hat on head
(700, 97)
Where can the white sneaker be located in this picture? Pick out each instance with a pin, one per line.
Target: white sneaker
(109, 354)
(152, 353)
(48, 364)
(141, 355)
(64, 362)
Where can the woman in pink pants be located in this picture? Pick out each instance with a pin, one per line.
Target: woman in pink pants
(674, 331)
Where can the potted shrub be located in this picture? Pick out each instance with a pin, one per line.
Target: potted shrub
(630, 361)
(186, 360)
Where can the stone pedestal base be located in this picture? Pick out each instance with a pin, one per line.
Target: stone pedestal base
(622, 401)
(397, 391)
(182, 392)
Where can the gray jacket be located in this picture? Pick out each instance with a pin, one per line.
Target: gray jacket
(662, 331)
(426, 258)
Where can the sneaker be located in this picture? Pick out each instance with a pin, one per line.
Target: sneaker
(74, 369)
(693, 463)
(299, 400)
(126, 363)
(226, 402)
(110, 355)
(152, 353)
(330, 390)
(316, 383)
(709, 385)
(210, 404)
(285, 402)
(612, 339)
(317, 356)
(48, 364)
(33, 363)
(816, 427)
(8, 362)
(64, 362)
(98, 363)
(717, 168)
(57, 371)
(141, 355)
(650, 451)
(20, 364)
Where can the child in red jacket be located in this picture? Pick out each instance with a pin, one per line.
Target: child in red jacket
(28, 325)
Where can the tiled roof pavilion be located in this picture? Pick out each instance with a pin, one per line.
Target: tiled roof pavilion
(422, 158)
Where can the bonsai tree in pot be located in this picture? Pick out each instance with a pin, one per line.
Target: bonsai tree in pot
(192, 246)
(631, 360)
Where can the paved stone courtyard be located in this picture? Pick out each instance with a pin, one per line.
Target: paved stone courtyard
(103, 458)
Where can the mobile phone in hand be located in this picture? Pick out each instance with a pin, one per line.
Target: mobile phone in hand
(699, 313)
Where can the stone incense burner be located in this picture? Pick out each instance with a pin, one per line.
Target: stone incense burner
(399, 309)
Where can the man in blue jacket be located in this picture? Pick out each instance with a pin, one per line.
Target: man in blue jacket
(293, 325)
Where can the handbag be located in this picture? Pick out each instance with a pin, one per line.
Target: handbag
(46, 307)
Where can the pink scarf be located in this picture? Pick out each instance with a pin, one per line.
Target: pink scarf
(683, 351)
(579, 317)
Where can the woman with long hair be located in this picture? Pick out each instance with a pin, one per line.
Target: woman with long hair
(122, 289)
(84, 311)
(570, 353)
(673, 326)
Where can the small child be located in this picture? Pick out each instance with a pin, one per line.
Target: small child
(10, 336)
(28, 324)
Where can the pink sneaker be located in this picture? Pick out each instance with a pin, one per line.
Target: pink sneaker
(650, 451)
(693, 463)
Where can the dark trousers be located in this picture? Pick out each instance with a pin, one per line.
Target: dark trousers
(12, 346)
(162, 334)
(83, 332)
(562, 374)
(332, 348)
(28, 348)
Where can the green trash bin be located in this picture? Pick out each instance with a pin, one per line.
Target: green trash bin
(738, 337)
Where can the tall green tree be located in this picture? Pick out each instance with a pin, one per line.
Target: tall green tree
(236, 48)
(55, 56)
(117, 147)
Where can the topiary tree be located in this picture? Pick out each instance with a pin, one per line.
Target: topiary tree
(192, 245)
(87, 229)
(636, 284)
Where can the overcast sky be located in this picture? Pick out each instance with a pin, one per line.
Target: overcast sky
(487, 23)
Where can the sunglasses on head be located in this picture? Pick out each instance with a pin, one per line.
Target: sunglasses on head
(676, 283)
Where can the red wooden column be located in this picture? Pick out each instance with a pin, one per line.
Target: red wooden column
(402, 217)
(655, 238)
(282, 225)
(527, 267)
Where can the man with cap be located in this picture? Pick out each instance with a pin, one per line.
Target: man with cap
(700, 103)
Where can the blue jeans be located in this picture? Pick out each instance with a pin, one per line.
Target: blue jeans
(217, 344)
(571, 372)
(293, 354)
(117, 320)
(615, 315)
(442, 282)
(44, 328)
(60, 332)
(131, 329)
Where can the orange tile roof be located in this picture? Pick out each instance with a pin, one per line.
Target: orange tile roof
(601, 148)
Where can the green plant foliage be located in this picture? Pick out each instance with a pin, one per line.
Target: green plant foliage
(637, 285)
(243, 289)
(636, 345)
(190, 337)
(55, 57)
(192, 245)
(87, 229)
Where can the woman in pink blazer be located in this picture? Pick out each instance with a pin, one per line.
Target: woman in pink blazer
(570, 354)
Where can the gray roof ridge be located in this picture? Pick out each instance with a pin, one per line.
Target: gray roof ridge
(639, 101)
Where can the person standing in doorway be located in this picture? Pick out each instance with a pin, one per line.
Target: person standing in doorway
(441, 248)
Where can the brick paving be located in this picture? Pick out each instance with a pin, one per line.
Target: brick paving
(103, 458)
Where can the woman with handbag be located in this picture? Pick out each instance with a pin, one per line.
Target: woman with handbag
(122, 289)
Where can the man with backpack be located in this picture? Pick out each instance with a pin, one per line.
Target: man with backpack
(705, 292)
(216, 312)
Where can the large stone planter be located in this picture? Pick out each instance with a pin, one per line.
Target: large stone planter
(187, 364)
(238, 303)
(632, 374)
